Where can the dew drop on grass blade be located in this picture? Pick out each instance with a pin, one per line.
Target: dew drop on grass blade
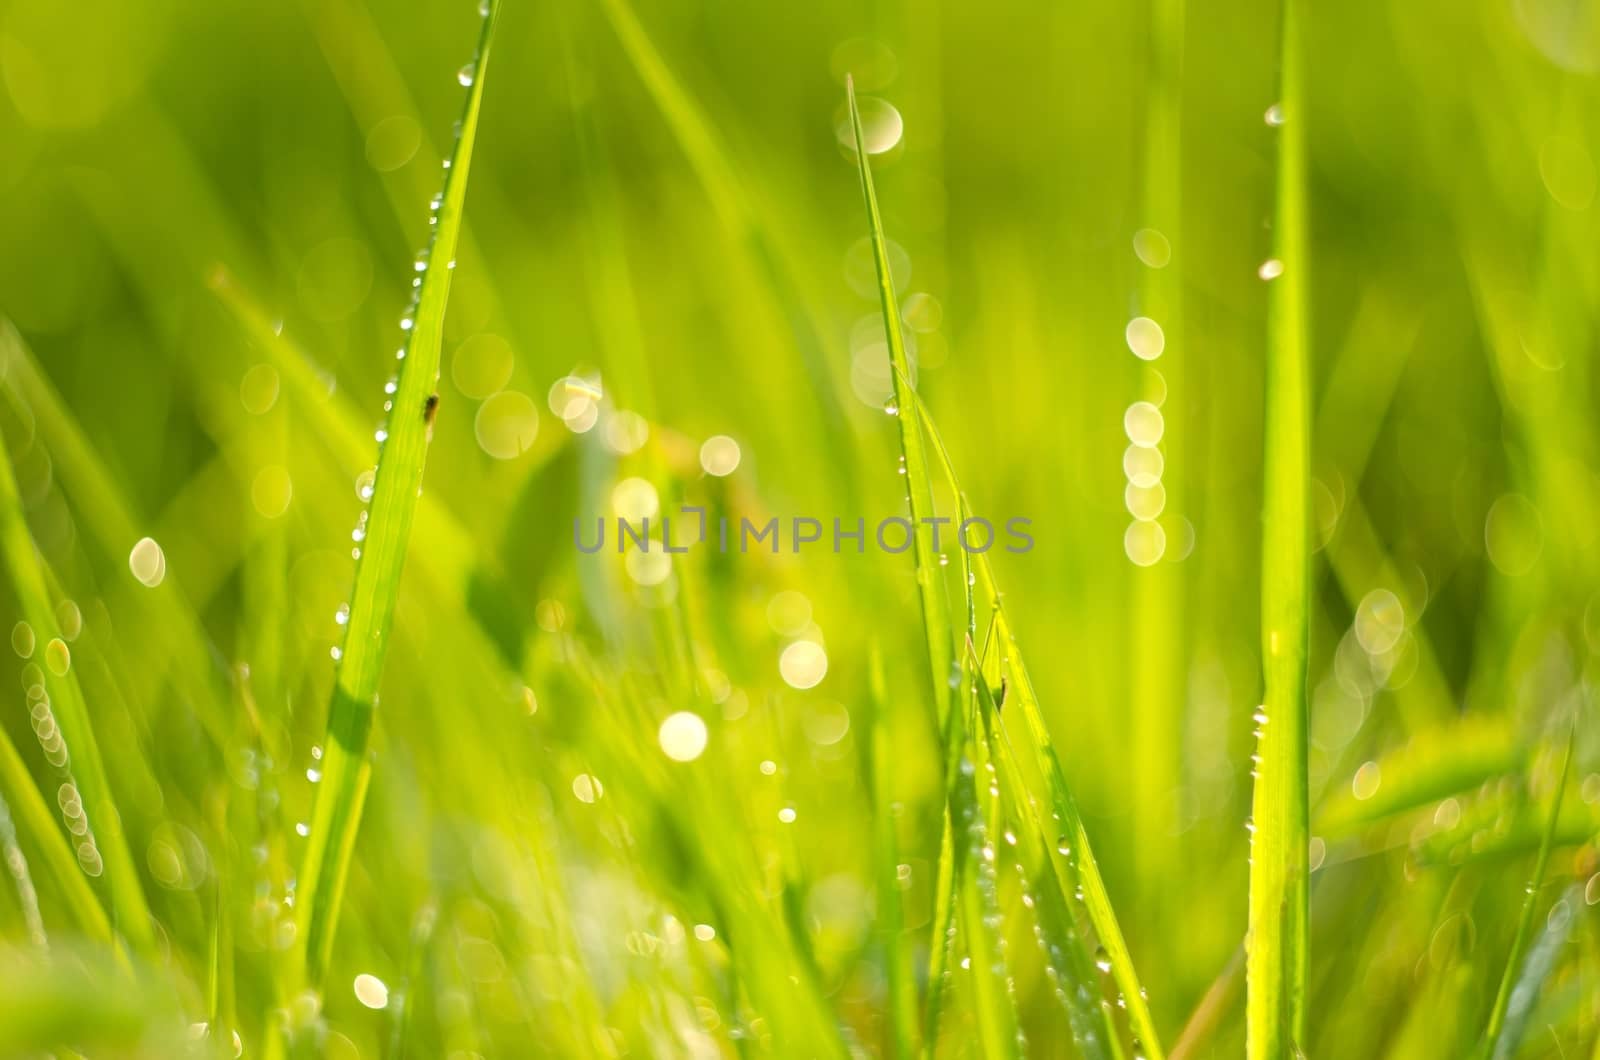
(930, 584)
(403, 450)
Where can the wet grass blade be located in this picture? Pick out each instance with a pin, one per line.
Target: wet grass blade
(935, 604)
(1075, 864)
(347, 770)
(1499, 1041)
(24, 564)
(1066, 954)
(1276, 956)
(919, 493)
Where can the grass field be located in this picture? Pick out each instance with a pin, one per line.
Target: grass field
(1181, 430)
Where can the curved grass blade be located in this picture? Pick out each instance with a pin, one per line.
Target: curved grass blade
(1065, 952)
(914, 418)
(347, 770)
(1276, 957)
(1076, 865)
(1500, 1037)
(1441, 761)
(23, 562)
(930, 586)
(935, 604)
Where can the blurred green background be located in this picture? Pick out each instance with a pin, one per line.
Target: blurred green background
(208, 217)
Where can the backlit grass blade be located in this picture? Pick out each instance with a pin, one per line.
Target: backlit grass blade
(1156, 673)
(23, 564)
(919, 494)
(1076, 866)
(935, 604)
(1074, 979)
(347, 770)
(1440, 761)
(981, 922)
(1497, 1042)
(1276, 957)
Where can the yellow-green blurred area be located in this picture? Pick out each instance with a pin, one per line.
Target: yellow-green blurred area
(626, 806)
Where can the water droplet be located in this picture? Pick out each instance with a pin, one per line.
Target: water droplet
(682, 736)
(1145, 338)
(22, 640)
(342, 615)
(1102, 960)
(719, 456)
(881, 126)
(1274, 115)
(465, 76)
(1270, 269)
(371, 991)
(147, 562)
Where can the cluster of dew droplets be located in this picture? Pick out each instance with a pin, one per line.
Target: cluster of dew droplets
(46, 730)
(982, 851)
(1272, 268)
(1042, 909)
(1259, 735)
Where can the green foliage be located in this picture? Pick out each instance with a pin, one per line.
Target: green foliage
(1294, 380)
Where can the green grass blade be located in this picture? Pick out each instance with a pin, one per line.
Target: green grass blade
(347, 770)
(1497, 1042)
(891, 913)
(930, 585)
(33, 815)
(23, 562)
(1066, 954)
(1076, 865)
(935, 604)
(1276, 958)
